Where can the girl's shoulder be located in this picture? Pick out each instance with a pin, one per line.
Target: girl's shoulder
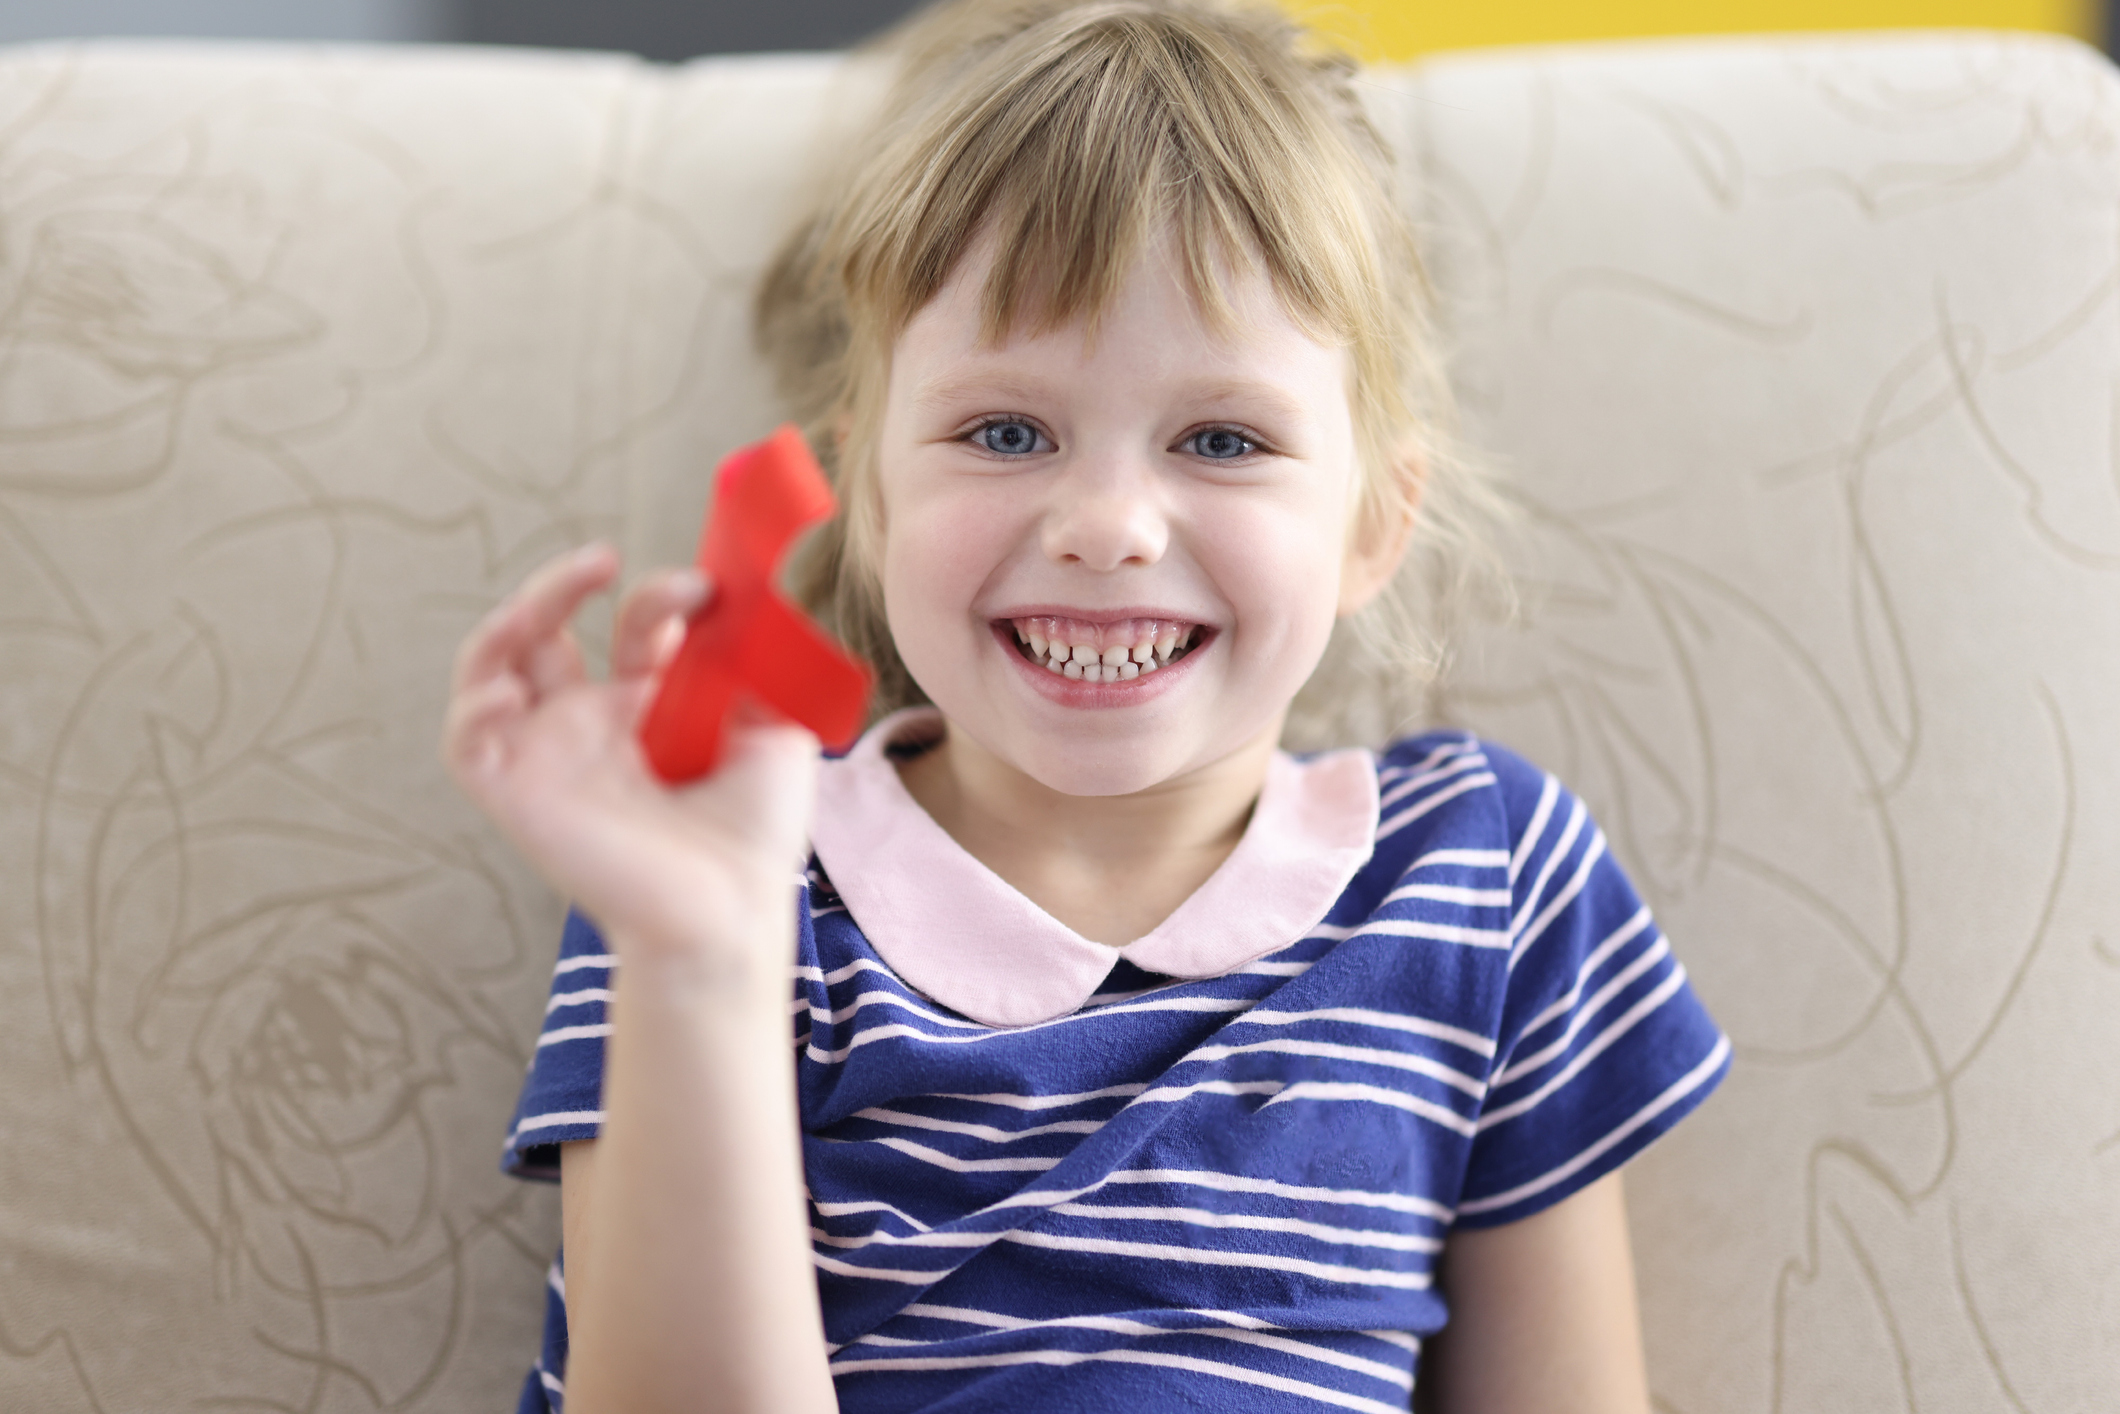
(1466, 786)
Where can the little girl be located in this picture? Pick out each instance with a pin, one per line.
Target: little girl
(1136, 1063)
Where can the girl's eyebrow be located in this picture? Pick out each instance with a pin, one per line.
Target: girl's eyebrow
(947, 389)
(1268, 399)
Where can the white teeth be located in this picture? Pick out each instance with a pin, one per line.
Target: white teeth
(1086, 662)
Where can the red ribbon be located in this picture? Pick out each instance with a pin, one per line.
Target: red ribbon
(748, 639)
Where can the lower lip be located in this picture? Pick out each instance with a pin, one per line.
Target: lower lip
(1074, 692)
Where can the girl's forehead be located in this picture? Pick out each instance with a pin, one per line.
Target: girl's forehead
(1155, 325)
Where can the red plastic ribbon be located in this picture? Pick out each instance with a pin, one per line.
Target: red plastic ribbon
(749, 640)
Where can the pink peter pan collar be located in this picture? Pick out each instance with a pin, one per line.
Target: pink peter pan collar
(954, 930)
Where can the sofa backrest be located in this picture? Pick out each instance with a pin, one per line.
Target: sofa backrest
(1801, 353)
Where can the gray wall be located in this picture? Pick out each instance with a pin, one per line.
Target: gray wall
(660, 29)
(372, 20)
(675, 29)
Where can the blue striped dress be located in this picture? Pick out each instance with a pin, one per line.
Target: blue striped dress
(1210, 1181)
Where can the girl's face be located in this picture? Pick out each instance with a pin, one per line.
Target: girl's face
(1166, 509)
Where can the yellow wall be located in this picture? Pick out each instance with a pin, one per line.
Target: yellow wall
(1400, 29)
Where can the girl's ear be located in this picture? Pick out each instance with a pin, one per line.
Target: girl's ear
(1382, 534)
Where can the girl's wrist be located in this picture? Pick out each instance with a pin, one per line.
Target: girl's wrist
(737, 973)
(706, 942)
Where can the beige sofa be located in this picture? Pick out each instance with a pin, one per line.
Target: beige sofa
(1804, 354)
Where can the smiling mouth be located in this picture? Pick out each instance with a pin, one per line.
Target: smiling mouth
(1115, 652)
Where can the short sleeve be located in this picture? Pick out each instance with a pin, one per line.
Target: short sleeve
(1603, 1045)
(562, 1095)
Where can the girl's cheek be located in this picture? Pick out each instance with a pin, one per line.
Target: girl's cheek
(980, 518)
(944, 545)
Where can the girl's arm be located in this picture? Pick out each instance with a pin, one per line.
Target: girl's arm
(689, 1282)
(1542, 1316)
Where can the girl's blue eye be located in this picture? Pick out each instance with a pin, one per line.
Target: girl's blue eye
(1009, 438)
(1221, 444)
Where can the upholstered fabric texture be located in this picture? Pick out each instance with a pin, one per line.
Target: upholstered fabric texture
(1801, 357)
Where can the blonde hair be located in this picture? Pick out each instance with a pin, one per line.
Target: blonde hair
(1077, 135)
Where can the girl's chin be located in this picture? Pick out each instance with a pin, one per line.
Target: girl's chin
(1114, 771)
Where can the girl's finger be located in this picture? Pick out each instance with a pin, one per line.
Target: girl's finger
(535, 612)
(668, 639)
(553, 665)
(471, 733)
(652, 617)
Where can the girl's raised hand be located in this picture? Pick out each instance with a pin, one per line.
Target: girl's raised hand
(551, 755)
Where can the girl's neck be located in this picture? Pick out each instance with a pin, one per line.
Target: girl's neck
(1109, 867)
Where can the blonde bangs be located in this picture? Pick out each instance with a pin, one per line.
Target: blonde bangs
(1079, 141)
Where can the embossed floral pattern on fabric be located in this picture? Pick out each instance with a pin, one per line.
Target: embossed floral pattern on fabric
(305, 356)
(1812, 393)
(1802, 353)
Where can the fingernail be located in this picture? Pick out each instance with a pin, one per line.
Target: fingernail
(689, 586)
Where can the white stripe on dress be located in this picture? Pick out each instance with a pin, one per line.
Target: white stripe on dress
(1561, 900)
(1519, 1067)
(1335, 1050)
(868, 1205)
(1615, 940)
(1405, 786)
(1388, 1020)
(1248, 1329)
(1427, 803)
(1685, 1085)
(854, 1269)
(556, 1120)
(956, 1165)
(1255, 1222)
(1375, 1094)
(1665, 990)
(1464, 858)
(1451, 893)
(988, 1132)
(1440, 753)
(1548, 796)
(1532, 895)
(913, 1033)
(1336, 1272)
(573, 1033)
(1298, 1192)
(1048, 1102)
(1238, 1373)
(1497, 938)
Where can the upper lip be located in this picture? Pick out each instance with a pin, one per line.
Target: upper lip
(1097, 616)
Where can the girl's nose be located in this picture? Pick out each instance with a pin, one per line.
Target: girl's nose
(1106, 517)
